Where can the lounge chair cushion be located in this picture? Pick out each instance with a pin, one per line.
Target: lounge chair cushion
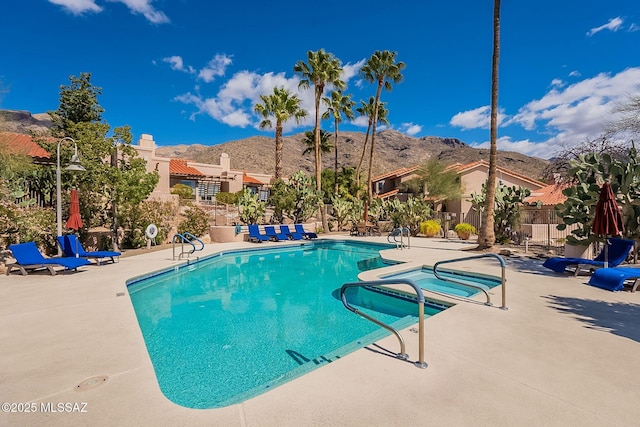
(28, 257)
(618, 251)
(71, 247)
(613, 279)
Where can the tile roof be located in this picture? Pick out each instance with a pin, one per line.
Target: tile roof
(180, 167)
(549, 195)
(387, 194)
(462, 168)
(395, 173)
(18, 143)
(246, 179)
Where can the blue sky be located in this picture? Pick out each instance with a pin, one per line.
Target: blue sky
(190, 71)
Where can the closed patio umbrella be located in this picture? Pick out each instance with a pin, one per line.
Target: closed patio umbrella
(608, 218)
(75, 221)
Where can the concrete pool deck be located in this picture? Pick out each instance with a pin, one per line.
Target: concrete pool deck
(563, 354)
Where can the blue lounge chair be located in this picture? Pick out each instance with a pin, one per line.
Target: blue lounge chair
(255, 235)
(284, 229)
(306, 234)
(28, 257)
(615, 279)
(72, 248)
(270, 231)
(617, 253)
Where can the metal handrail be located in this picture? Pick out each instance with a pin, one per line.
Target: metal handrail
(184, 238)
(420, 363)
(495, 256)
(399, 232)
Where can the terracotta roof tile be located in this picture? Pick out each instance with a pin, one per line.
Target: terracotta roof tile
(387, 194)
(18, 143)
(397, 172)
(246, 179)
(549, 195)
(180, 167)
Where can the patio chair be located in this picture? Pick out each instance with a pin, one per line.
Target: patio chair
(255, 236)
(29, 257)
(72, 248)
(306, 234)
(615, 279)
(270, 231)
(618, 251)
(284, 229)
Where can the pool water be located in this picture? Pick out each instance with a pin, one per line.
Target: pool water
(236, 325)
(425, 278)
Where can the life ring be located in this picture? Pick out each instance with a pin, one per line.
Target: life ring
(151, 231)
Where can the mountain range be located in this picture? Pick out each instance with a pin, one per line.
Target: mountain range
(393, 150)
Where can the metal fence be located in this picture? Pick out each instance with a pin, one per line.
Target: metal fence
(537, 228)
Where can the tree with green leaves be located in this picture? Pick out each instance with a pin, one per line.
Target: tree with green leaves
(309, 142)
(338, 105)
(486, 236)
(435, 181)
(383, 69)
(115, 175)
(280, 106)
(320, 70)
(296, 199)
(367, 109)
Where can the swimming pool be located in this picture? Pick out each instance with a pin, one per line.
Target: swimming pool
(235, 325)
(425, 278)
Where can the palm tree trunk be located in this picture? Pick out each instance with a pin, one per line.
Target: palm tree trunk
(323, 207)
(335, 163)
(487, 237)
(364, 150)
(278, 173)
(373, 139)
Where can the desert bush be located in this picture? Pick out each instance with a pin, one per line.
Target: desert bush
(430, 227)
(196, 221)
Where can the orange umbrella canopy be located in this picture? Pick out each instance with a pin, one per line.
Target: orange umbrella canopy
(75, 221)
(608, 219)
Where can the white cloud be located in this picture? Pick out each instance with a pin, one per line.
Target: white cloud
(575, 74)
(568, 115)
(78, 7)
(410, 128)
(234, 102)
(351, 70)
(146, 9)
(177, 64)
(215, 68)
(614, 25)
(557, 83)
(633, 27)
(141, 7)
(477, 118)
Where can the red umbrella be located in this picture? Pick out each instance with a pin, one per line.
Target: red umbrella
(74, 221)
(608, 219)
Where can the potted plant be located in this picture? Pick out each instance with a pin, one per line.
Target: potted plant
(430, 227)
(464, 230)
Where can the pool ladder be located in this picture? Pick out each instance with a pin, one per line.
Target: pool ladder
(479, 287)
(420, 363)
(397, 237)
(185, 238)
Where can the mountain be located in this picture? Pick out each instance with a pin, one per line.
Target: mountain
(23, 121)
(394, 150)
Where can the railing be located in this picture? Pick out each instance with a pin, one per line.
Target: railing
(495, 256)
(187, 238)
(400, 232)
(420, 363)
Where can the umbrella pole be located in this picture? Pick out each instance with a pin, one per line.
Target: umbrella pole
(606, 254)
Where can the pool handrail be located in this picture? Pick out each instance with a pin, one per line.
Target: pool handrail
(420, 363)
(503, 281)
(400, 231)
(185, 238)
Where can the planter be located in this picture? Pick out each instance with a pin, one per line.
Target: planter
(578, 251)
(464, 235)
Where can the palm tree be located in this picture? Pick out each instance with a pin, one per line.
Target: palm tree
(366, 109)
(322, 68)
(487, 235)
(383, 69)
(309, 141)
(282, 106)
(338, 105)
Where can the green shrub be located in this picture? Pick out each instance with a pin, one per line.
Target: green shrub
(430, 227)
(464, 227)
(227, 198)
(196, 222)
(183, 191)
(135, 219)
